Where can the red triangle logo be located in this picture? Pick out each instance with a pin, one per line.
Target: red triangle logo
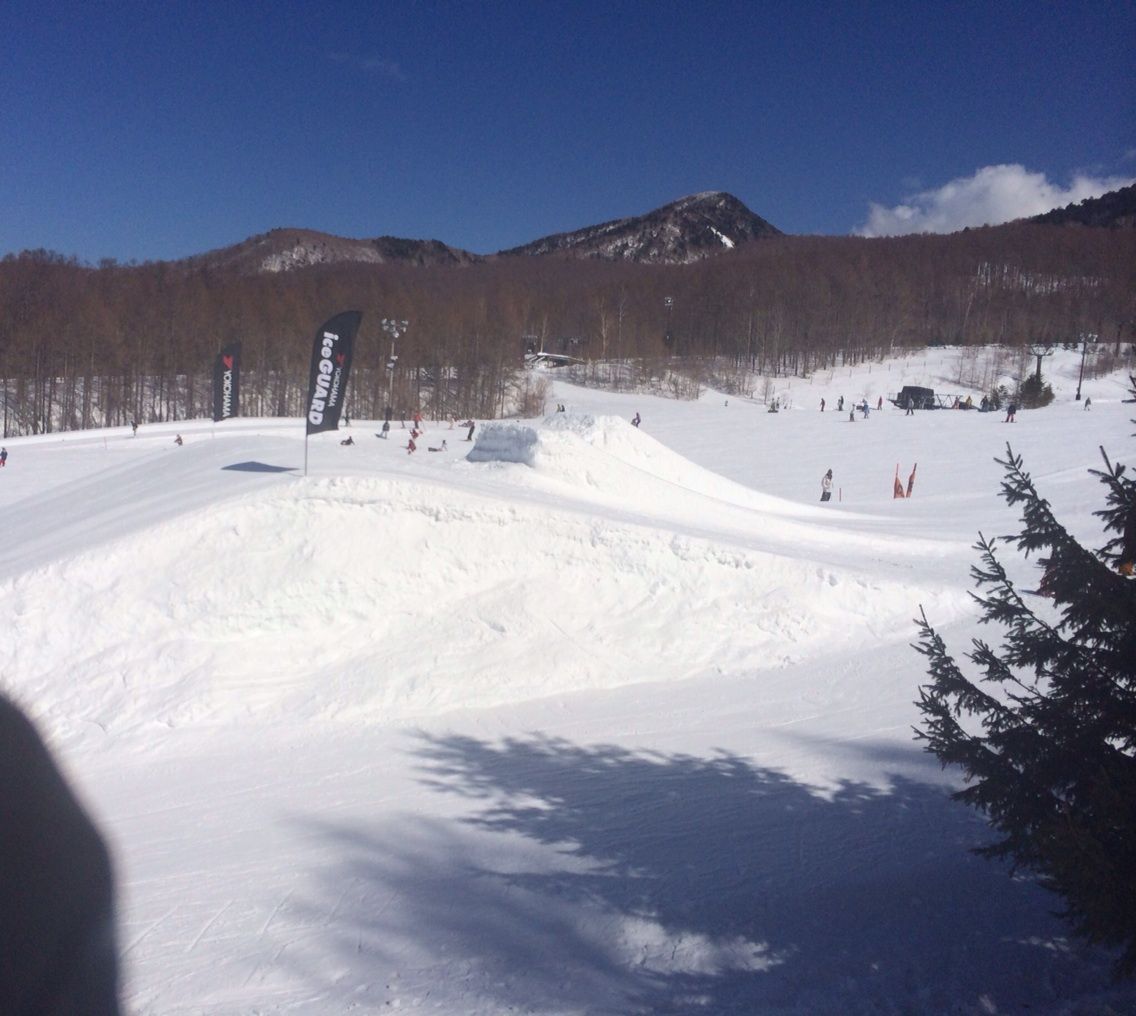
(228, 362)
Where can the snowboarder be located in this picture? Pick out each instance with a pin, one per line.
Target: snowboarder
(178, 441)
(910, 406)
(840, 404)
(1011, 411)
(1088, 402)
(826, 486)
(134, 428)
(3, 456)
(636, 420)
(411, 447)
(470, 424)
(822, 405)
(442, 449)
(347, 440)
(880, 404)
(386, 430)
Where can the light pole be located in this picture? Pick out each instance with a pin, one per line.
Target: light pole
(394, 328)
(1084, 350)
(668, 338)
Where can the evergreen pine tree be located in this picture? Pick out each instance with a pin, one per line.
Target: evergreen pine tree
(1048, 739)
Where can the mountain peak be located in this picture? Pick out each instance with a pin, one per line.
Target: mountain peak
(688, 229)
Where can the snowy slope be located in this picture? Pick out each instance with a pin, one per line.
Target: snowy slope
(576, 718)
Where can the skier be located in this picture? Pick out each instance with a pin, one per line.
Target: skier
(840, 404)
(636, 420)
(471, 425)
(411, 447)
(1011, 411)
(826, 486)
(910, 406)
(3, 456)
(178, 441)
(134, 428)
(386, 430)
(880, 404)
(1088, 402)
(442, 449)
(822, 405)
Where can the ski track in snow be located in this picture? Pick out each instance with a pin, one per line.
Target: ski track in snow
(577, 718)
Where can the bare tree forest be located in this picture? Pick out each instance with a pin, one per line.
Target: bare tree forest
(84, 346)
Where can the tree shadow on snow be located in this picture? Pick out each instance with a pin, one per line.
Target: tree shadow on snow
(595, 879)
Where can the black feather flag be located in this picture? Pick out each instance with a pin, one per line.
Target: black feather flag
(331, 364)
(227, 383)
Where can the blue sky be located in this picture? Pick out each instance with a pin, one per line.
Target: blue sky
(157, 130)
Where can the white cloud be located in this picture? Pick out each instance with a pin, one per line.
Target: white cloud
(994, 194)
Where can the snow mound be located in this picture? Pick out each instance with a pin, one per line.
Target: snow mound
(615, 461)
(369, 601)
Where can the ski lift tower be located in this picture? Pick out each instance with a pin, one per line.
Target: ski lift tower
(394, 328)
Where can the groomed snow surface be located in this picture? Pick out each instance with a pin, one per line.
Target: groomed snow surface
(573, 718)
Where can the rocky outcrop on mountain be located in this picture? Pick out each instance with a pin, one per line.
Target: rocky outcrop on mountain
(690, 229)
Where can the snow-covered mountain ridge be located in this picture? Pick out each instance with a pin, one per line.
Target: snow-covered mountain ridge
(689, 229)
